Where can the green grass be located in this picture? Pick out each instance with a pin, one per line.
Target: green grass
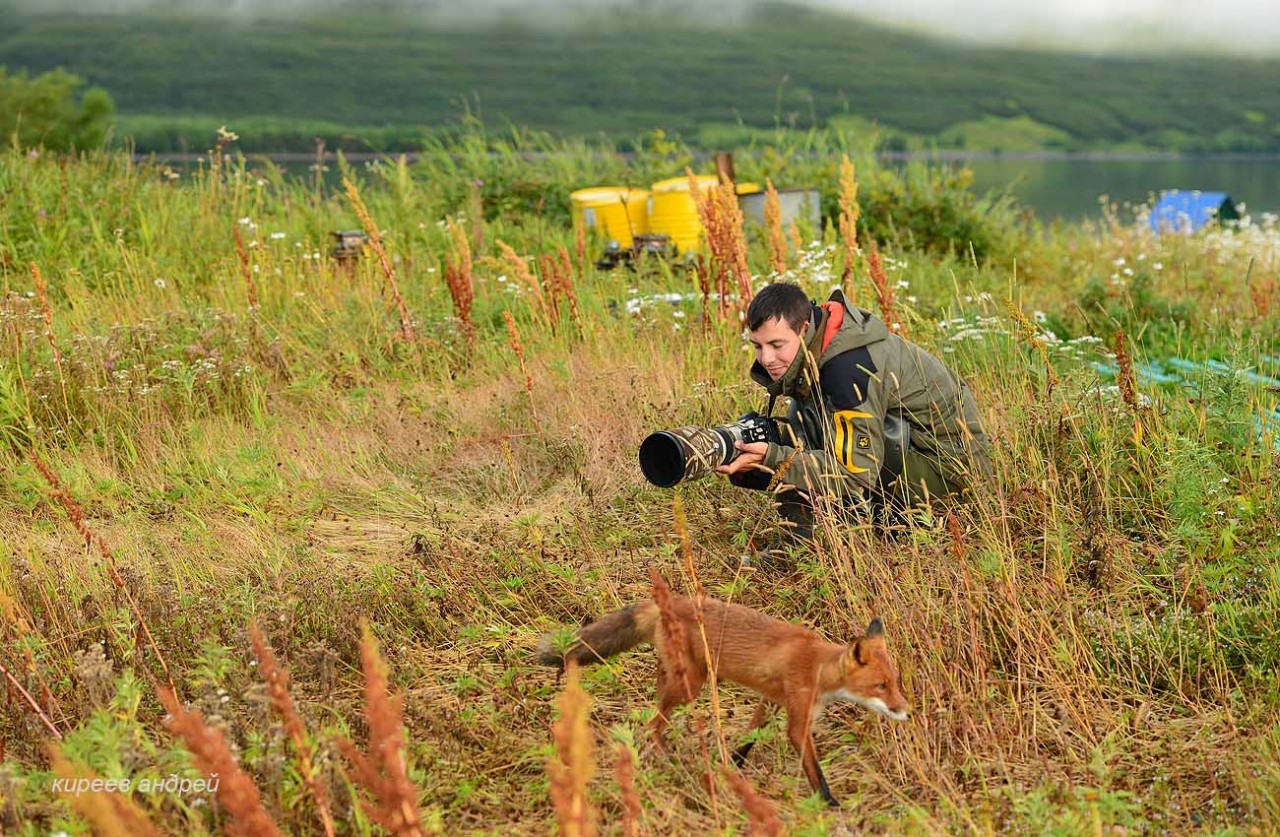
(1017, 133)
(1090, 647)
(385, 76)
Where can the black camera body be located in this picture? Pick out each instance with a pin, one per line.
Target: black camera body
(686, 453)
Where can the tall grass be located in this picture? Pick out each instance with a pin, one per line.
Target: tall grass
(1088, 645)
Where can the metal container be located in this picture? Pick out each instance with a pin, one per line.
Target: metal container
(803, 202)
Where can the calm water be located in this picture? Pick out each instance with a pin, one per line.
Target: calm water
(1070, 189)
(1067, 188)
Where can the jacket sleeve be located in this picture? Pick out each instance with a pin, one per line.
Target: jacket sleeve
(853, 432)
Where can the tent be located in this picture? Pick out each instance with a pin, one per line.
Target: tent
(1185, 212)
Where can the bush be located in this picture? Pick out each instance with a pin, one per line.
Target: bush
(50, 111)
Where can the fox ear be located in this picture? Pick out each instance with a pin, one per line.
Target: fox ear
(876, 628)
(859, 653)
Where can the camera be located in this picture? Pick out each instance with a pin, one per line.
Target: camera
(668, 457)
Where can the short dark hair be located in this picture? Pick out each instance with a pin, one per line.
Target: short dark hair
(780, 301)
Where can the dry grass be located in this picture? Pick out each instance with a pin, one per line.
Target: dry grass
(213, 757)
(848, 224)
(761, 813)
(277, 680)
(1073, 661)
(407, 331)
(885, 297)
(381, 769)
(721, 218)
(773, 225)
(572, 767)
(624, 772)
(92, 539)
(461, 283)
(110, 813)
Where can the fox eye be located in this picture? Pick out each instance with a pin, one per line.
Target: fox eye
(880, 687)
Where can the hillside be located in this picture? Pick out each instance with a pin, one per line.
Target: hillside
(389, 75)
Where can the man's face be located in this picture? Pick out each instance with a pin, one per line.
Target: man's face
(777, 344)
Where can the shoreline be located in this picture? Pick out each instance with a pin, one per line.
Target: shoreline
(944, 156)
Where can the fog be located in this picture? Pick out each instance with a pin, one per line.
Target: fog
(1240, 27)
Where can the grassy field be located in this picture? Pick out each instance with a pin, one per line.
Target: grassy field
(236, 431)
(286, 73)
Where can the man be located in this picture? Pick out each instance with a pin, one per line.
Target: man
(874, 422)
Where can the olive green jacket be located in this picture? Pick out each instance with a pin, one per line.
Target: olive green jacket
(841, 392)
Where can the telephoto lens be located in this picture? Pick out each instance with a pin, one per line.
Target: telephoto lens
(669, 457)
(685, 453)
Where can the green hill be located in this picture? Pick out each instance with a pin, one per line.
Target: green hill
(390, 75)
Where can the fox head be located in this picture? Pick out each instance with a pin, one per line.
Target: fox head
(869, 677)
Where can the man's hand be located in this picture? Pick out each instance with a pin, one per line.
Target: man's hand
(750, 455)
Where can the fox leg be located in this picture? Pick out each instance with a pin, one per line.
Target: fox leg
(758, 720)
(672, 692)
(801, 737)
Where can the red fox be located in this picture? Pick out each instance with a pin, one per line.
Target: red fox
(790, 666)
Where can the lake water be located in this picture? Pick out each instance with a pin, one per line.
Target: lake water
(1068, 187)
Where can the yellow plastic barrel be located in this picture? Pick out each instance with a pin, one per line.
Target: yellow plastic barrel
(672, 211)
(621, 211)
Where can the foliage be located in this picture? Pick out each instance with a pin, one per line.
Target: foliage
(621, 71)
(1088, 646)
(51, 111)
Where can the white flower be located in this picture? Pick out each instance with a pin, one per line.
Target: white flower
(1119, 262)
(160, 283)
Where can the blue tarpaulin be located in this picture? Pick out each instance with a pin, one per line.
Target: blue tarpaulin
(1185, 212)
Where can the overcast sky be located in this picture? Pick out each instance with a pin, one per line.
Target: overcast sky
(1239, 26)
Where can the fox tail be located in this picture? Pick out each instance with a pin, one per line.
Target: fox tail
(611, 634)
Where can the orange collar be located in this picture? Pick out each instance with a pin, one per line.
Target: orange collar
(835, 316)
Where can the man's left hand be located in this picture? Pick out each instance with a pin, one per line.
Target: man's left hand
(750, 455)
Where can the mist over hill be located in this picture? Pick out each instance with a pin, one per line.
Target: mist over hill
(316, 67)
(1249, 27)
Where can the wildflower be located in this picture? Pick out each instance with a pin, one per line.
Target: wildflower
(160, 283)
